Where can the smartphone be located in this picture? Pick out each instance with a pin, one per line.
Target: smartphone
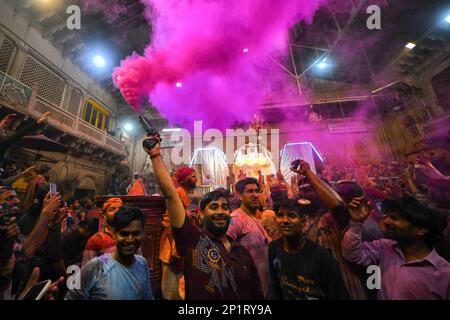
(364, 203)
(37, 291)
(53, 188)
(70, 222)
(295, 164)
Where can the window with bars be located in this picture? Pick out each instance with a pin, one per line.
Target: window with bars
(7, 52)
(51, 87)
(96, 115)
(87, 113)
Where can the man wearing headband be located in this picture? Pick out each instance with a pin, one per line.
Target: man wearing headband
(187, 179)
(171, 262)
(103, 241)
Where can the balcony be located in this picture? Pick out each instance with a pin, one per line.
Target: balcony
(20, 97)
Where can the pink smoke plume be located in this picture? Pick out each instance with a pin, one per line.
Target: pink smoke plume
(208, 57)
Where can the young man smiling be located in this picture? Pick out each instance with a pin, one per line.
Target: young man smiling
(299, 268)
(215, 266)
(122, 274)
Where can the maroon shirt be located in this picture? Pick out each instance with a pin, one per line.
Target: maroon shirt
(213, 273)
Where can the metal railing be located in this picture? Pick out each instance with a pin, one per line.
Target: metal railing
(20, 97)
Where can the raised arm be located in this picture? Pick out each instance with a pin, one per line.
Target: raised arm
(10, 140)
(410, 181)
(175, 208)
(9, 181)
(353, 249)
(40, 231)
(326, 193)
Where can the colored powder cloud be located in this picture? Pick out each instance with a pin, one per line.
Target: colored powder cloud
(207, 56)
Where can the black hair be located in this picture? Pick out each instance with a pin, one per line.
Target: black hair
(278, 196)
(90, 223)
(240, 185)
(214, 195)
(313, 205)
(349, 190)
(71, 201)
(125, 216)
(85, 201)
(40, 193)
(9, 162)
(290, 204)
(420, 216)
(422, 188)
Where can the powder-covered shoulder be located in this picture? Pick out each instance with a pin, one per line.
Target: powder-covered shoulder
(140, 259)
(97, 264)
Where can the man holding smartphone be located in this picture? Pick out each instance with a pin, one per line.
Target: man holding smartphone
(331, 225)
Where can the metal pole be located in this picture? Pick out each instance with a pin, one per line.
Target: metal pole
(295, 70)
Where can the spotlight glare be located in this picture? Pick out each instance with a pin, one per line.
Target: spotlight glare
(245, 50)
(322, 65)
(179, 85)
(447, 19)
(128, 127)
(410, 45)
(99, 61)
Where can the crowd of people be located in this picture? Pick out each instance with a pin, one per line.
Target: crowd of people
(311, 238)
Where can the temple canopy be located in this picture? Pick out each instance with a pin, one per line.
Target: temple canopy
(213, 162)
(251, 157)
(298, 150)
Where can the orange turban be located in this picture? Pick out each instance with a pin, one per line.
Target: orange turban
(110, 201)
(183, 173)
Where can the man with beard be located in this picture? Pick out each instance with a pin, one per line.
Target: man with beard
(103, 241)
(247, 229)
(122, 274)
(215, 266)
(187, 179)
(299, 268)
(410, 267)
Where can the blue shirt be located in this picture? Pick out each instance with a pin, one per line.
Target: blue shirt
(104, 278)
